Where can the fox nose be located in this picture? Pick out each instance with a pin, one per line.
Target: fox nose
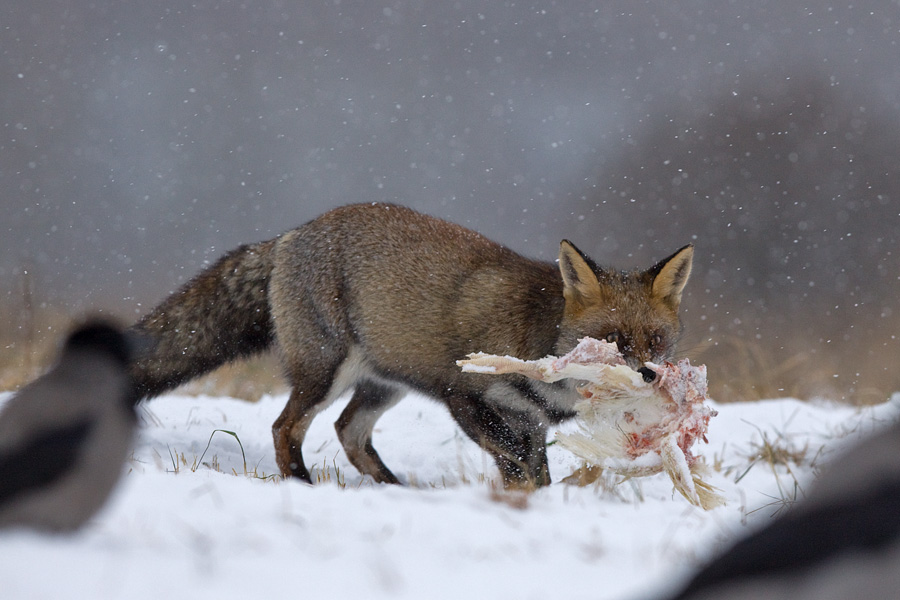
(647, 373)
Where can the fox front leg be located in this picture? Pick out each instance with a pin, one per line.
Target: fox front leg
(515, 441)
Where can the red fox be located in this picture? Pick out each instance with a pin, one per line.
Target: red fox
(382, 299)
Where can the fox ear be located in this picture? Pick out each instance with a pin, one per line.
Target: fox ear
(579, 279)
(670, 275)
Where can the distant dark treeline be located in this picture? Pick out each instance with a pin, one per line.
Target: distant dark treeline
(790, 189)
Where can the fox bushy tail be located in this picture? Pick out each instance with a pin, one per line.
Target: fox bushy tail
(219, 315)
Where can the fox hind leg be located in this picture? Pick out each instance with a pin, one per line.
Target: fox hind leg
(290, 429)
(354, 428)
(316, 382)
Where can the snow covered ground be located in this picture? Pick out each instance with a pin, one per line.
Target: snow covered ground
(178, 528)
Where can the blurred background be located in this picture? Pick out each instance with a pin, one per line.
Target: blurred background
(141, 140)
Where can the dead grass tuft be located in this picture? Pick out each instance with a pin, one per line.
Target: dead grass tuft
(585, 475)
(780, 455)
(329, 473)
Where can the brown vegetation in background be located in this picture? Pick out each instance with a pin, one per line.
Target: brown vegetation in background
(742, 370)
(25, 357)
(247, 379)
(739, 369)
(31, 334)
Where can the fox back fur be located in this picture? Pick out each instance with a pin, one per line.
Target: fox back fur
(382, 299)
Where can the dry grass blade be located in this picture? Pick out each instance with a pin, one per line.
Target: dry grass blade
(235, 436)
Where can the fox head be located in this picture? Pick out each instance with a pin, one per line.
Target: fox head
(636, 310)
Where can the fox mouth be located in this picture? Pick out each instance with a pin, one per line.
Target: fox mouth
(647, 373)
(641, 367)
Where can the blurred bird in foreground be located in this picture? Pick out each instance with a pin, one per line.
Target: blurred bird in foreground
(65, 436)
(842, 541)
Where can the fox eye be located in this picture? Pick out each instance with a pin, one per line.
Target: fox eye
(655, 339)
(613, 337)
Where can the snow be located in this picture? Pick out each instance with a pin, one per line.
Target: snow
(208, 533)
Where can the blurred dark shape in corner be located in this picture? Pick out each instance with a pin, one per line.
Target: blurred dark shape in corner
(65, 436)
(842, 541)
